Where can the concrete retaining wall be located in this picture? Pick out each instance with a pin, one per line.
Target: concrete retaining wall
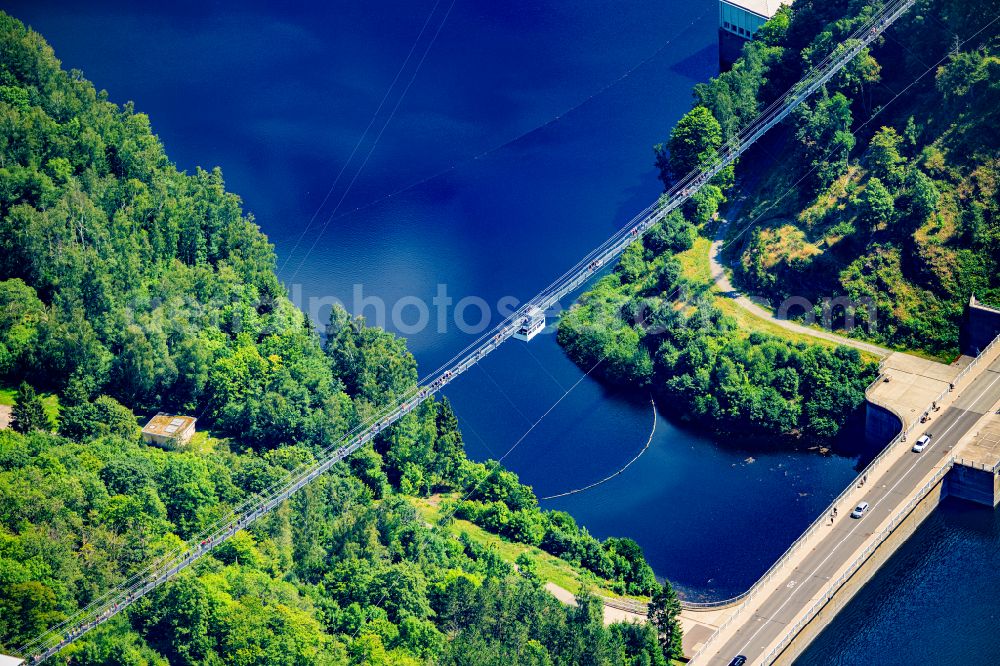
(975, 485)
(980, 324)
(881, 425)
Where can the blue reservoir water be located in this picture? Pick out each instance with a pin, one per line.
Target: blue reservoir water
(522, 140)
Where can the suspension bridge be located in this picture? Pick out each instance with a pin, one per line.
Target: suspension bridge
(522, 324)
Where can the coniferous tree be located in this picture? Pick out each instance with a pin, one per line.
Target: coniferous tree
(664, 610)
(28, 413)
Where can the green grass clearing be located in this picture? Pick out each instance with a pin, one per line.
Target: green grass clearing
(203, 442)
(49, 400)
(694, 261)
(548, 567)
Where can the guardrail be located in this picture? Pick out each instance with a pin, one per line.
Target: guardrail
(835, 585)
(627, 605)
(743, 600)
(978, 465)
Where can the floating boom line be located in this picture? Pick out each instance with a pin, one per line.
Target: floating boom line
(577, 491)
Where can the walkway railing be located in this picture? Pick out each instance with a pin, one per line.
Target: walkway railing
(628, 605)
(743, 600)
(856, 564)
(994, 469)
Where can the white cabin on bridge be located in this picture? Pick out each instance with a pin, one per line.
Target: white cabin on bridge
(532, 324)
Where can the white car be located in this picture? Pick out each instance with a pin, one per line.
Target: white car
(921, 443)
(859, 510)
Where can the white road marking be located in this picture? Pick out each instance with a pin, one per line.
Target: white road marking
(854, 526)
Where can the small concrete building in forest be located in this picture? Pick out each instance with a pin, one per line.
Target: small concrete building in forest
(739, 21)
(169, 430)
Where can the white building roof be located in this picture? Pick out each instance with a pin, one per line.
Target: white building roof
(9, 661)
(166, 424)
(765, 8)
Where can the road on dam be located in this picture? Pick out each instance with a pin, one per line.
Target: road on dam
(893, 488)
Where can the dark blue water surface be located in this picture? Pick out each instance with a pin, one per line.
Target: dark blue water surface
(527, 128)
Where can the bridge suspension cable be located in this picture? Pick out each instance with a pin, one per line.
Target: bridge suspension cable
(256, 506)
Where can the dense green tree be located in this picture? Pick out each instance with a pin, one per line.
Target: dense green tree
(664, 613)
(884, 158)
(694, 142)
(924, 196)
(28, 608)
(823, 132)
(373, 364)
(775, 31)
(877, 204)
(636, 645)
(177, 621)
(592, 645)
(104, 416)
(28, 413)
(673, 234)
(449, 447)
(112, 645)
(188, 491)
(964, 72)
(386, 584)
(20, 313)
(703, 204)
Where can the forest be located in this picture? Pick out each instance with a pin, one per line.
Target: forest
(881, 190)
(647, 326)
(886, 187)
(128, 287)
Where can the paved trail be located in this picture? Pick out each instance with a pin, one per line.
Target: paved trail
(726, 288)
(613, 612)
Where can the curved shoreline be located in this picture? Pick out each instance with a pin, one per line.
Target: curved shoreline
(611, 476)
